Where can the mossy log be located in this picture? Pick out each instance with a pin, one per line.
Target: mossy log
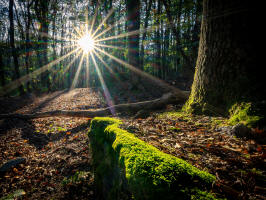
(126, 167)
(169, 98)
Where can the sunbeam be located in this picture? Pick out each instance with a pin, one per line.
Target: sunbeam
(24, 79)
(104, 20)
(110, 46)
(77, 72)
(136, 32)
(71, 63)
(105, 89)
(87, 70)
(138, 71)
(107, 67)
(94, 18)
(108, 29)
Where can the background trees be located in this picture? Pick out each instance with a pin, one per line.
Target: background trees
(35, 33)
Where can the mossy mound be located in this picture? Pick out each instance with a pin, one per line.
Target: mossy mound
(246, 113)
(126, 165)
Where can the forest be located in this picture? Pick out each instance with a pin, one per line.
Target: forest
(132, 99)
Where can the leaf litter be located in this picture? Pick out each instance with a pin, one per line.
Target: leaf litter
(58, 159)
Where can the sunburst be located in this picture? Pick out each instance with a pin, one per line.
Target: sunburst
(88, 42)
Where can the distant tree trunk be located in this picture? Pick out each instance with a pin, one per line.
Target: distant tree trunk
(133, 24)
(176, 29)
(2, 71)
(165, 62)
(42, 9)
(158, 41)
(12, 45)
(147, 15)
(28, 45)
(228, 69)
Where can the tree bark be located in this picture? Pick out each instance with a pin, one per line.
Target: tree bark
(227, 69)
(169, 98)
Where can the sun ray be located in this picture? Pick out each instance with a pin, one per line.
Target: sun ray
(94, 17)
(105, 89)
(111, 46)
(87, 70)
(77, 72)
(70, 64)
(104, 20)
(24, 79)
(77, 31)
(136, 32)
(108, 29)
(105, 64)
(138, 71)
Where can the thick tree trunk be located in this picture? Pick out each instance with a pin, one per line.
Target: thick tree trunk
(169, 98)
(227, 69)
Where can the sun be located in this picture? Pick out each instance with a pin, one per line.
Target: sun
(86, 43)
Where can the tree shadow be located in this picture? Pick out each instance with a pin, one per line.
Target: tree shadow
(48, 100)
(12, 104)
(66, 134)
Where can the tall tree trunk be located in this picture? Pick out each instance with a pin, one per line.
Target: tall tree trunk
(147, 15)
(42, 9)
(28, 46)
(158, 41)
(12, 45)
(133, 24)
(2, 70)
(228, 69)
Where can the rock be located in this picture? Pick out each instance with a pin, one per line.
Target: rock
(224, 129)
(11, 163)
(240, 130)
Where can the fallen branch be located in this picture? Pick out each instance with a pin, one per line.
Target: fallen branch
(169, 98)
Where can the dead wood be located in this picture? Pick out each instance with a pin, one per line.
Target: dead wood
(169, 98)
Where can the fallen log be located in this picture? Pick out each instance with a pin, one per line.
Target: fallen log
(169, 98)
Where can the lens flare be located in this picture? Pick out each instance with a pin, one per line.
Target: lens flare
(86, 43)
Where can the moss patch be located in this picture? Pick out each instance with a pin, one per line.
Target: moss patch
(175, 115)
(244, 113)
(124, 164)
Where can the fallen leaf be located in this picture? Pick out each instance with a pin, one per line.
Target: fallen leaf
(177, 145)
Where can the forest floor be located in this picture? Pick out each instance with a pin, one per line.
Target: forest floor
(58, 160)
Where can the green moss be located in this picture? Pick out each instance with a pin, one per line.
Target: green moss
(243, 113)
(179, 114)
(123, 162)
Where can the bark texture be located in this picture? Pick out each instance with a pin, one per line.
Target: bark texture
(227, 69)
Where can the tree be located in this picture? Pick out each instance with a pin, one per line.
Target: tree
(42, 11)
(12, 44)
(227, 69)
(133, 24)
